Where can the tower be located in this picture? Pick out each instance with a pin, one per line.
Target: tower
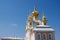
(38, 29)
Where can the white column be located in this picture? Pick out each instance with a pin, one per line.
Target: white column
(34, 36)
(42, 23)
(28, 35)
(34, 19)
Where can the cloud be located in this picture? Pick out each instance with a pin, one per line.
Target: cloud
(13, 24)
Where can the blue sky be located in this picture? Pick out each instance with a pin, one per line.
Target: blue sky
(14, 13)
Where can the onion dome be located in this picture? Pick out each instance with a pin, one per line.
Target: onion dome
(30, 18)
(35, 13)
(44, 20)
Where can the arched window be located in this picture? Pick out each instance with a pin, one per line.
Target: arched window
(39, 36)
(44, 36)
(50, 36)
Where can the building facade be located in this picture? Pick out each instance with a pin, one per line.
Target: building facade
(38, 29)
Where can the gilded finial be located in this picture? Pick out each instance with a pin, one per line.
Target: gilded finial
(34, 7)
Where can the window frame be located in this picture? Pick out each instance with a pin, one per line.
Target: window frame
(40, 36)
(45, 36)
(51, 36)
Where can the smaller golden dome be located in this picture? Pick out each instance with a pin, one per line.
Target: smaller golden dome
(30, 18)
(44, 19)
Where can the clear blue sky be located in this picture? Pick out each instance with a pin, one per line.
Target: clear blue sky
(14, 13)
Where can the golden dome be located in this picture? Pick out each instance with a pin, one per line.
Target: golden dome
(35, 13)
(44, 19)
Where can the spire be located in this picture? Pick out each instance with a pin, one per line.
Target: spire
(42, 13)
(34, 7)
